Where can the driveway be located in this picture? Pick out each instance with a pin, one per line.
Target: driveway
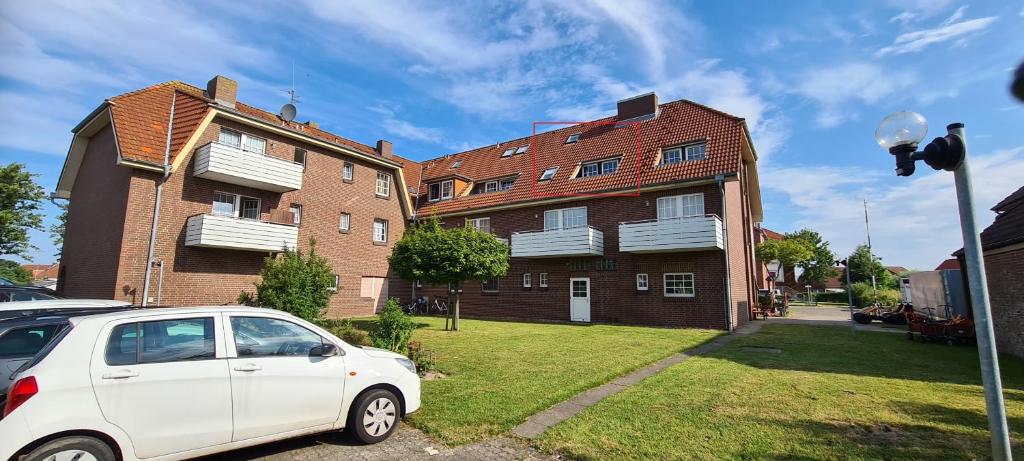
(407, 443)
(834, 316)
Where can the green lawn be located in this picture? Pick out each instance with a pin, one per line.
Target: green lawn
(825, 396)
(499, 373)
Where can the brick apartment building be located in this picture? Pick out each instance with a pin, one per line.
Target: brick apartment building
(646, 217)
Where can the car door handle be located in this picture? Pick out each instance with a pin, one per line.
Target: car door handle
(248, 367)
(121, 374)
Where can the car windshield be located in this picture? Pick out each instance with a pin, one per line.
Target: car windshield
(26, 341)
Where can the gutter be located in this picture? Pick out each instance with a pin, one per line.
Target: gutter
(156, 205)
(725, 252)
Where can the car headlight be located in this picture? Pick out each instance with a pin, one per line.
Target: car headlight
(408, 364)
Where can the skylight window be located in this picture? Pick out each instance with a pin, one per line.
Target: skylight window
(548, 173)
(522, 149)
(572, 138)
(457, 164)
(508, 153)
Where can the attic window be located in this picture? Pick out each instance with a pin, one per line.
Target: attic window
(548, 173)
(457, 164)
(602, 167)
(508, 152)
(522, 149)
(572, 138)
(684, 153)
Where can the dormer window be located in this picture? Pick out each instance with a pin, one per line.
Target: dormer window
(440, 190)
(684, 153)
(508, 152)
(548, 174)
(572, 138)
(506, 184)
(457, 164)
(601, 167)
(522, 149)
(491, 186)
(494, 185)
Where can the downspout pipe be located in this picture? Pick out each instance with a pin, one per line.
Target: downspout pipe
(720, 179)
(156, 205)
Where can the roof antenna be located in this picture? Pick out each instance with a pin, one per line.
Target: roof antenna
(288, 110)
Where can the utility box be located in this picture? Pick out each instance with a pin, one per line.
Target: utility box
(938, 294)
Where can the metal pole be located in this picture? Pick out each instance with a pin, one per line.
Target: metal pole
(849, 295)
(978, 285)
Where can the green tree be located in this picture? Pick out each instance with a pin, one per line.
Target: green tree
(862, 265)
(20, 202)
(57, 229)
(821, 265)
(294, 283)
(440, 256)
(13, 271)
(789, 252)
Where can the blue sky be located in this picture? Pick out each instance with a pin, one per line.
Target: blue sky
(811, 78)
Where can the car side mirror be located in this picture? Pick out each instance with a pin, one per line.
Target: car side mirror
(325, 350)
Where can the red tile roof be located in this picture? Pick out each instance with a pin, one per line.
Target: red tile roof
(679, 122)
(951, 263)
(772, 234)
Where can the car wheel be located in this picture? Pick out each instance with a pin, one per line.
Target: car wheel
(72, 449)
(375, 416)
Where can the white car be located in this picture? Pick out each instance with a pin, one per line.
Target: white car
(167, 384)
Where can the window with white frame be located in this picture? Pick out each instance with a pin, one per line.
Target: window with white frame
(457, 164)
(696, 152)
(480, 224)
(380, 231)
(254, 144)
(548, 173)
(300, 156)
(527, 280)
(508, 152)
(681, 206)
(383, 184)
(522, 149)
(542, 279)
(348, 172)
(642, 282)
(336, 283)
(440, 190)
(491, 186)
(573, 138)
(679, 154)
(230, 138)
(679, 285)
(296, 210)
(602, 167)
(234, 205)
(506, 184)
(565, 218)
(345, 222)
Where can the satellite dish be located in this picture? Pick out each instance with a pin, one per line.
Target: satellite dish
(288, 112)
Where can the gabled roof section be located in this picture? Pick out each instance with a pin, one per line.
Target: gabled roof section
(678, 123)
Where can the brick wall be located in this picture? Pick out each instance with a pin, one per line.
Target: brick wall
(1005, 273)
(614, 297)
(202, 276)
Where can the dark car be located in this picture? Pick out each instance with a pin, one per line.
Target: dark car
(24, 293)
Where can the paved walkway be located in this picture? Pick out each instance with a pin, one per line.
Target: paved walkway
(831, 316)
(535, 425)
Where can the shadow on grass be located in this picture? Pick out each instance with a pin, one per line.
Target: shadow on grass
(830, 349)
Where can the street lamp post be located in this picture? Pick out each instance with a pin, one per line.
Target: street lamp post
(849, 294)
(808, 287)
(900, 133)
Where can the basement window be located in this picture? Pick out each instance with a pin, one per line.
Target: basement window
(572, 139)
(548, 174)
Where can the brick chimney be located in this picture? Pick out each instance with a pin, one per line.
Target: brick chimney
(384, 148)
(223, 90)
(638, 106)
(313, 124)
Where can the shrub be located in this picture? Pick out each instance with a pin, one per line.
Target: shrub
(347, 332)
(294, 283)
(393, 329)
(13, 271)
(864, 296)
(423, 358)
(831, 297)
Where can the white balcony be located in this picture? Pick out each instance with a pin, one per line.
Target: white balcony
(578, 241)
(220, 162)
(212, 231)
(671, 235)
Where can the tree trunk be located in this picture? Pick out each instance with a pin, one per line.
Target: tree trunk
(455, 306)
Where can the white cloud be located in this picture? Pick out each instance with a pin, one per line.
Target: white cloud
(912, 42)
(404, 129)
(956, 16)
(833, 88)
(905, 17)
(38, 122)
(914, 221)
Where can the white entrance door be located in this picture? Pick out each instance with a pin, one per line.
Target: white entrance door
(579, 299)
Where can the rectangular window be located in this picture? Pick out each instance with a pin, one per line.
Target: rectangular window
(161, 341)
(335, 283)
(250, 208)
(565, 218)
(480, 224)
(506, 184)
(542, 279)
(548, 173)
(590, 169)
(296, 210)
(434, 192)
(572, 138)
(670, 156)
(254, 144)
(527, 280)
(681, 206)
(380, 231)
(383, 184)
(267, 337)
(641, 282)
(599, 168)
(522, 149)
(224, 204)
(348, 172)
(610, 166)
(679, 285)
(457, 164)
(345, 222)
(447, 189)
(491, 186)
(508, 152)
(490, 286)
(230, 138)
(300, 156)
(696, 152)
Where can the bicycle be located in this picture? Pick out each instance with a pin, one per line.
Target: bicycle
(416, 307)
(440, 306)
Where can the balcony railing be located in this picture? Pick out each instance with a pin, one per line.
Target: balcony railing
(224, 163)
(671, 235)
(577, 241)
(213, 231)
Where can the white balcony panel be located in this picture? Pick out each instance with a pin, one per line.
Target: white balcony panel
(228, 164)
(212, 231)
(579, 241)
(671, 235)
